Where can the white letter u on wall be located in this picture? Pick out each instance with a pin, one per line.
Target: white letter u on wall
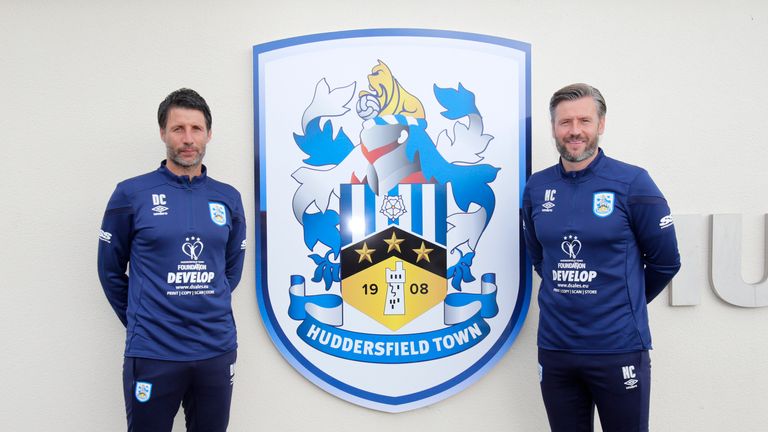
(727, 281)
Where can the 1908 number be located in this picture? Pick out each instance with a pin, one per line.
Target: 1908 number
(370, 289)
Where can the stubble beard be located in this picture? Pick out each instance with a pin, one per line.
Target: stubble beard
(588, 152)
(175, 156)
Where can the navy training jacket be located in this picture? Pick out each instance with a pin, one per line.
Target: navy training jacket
(603, 241)
(185, 242)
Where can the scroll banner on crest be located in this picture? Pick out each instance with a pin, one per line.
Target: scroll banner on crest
(322, 314)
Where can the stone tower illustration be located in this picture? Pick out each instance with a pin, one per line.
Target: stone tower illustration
(395, 304)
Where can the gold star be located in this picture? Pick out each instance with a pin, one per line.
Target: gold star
(394, 243)
(365, 253)
(423, 252)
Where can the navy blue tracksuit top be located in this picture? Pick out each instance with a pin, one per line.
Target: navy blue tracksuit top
(185, 242)
(603, 241)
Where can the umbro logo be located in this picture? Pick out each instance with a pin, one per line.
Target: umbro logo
(549, 197)
(159, 202)
(105, 236)
(629, 375)
(666, 221)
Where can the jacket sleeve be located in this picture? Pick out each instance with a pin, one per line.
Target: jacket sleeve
(236, 245)
(532, 245)
(654, 230)
(115, 250)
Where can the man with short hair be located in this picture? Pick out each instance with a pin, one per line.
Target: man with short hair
(184, 236)
(600, 234)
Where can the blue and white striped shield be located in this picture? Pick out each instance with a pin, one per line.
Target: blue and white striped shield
(418, 208)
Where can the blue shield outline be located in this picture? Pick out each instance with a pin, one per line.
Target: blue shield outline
(603, 203)
(312, 372)
(143, 391)
(218, 213)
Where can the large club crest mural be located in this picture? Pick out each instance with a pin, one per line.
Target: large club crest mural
(389, 169)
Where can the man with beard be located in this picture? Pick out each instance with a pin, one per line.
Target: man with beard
(184, 236)
(600, 234)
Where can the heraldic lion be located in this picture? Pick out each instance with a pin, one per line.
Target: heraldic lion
(391, 96)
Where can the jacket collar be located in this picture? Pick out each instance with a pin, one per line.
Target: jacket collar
(584, 174)
(182, 181)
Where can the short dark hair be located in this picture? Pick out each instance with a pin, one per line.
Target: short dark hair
(577, 91)
(183, 98)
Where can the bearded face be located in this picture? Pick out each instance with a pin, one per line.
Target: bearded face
(576, 128)
(185, 136)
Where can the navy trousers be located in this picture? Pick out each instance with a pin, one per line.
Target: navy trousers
(619, 385)
(154, 389)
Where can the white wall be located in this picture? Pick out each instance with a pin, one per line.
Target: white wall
(79, 85)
